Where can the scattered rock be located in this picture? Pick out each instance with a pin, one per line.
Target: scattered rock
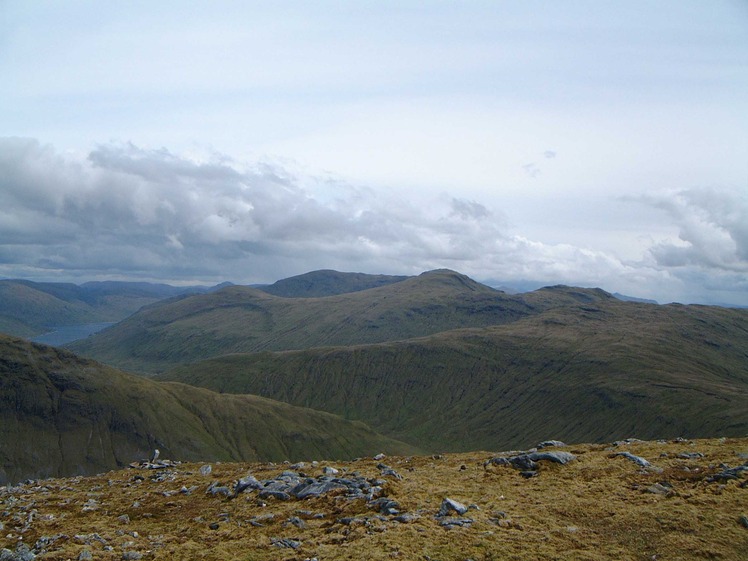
(286, 543)
(558, 457)
(131, 556)
(216, 489)
(385, 506)
(206, 470)
(628, 441)
(743, 519)
(527, 462)
(379, 457)
(450, 505)
(728, 473)
(214, 526)
(388, 471)
(22, 553)
(85, 555)
(549, 443)
(327, 470)
(636, 459)
(406, 518)
(450, 523)
(44, 543)
(154, 463)
(90, 505)
(295, 521)
(691, 455)
(123, 519)
(247, 482)
(663, 488)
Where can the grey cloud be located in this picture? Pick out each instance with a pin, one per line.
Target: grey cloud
(469, 209)
(712, 225)
(126, 212)
(132, 211)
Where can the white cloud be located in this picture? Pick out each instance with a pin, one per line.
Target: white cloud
(129, 212)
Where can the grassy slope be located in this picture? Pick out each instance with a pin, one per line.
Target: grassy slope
(327, 283)
(593, 372)
(595, 508)
(60, 414)
(241, 319)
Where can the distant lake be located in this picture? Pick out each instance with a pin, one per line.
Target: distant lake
(63, 334)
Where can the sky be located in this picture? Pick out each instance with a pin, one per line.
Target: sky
(590, 143)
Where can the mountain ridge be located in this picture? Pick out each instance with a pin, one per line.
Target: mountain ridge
(592, 372)
(244, 319)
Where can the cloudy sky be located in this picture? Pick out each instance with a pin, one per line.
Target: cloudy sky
(524, 143)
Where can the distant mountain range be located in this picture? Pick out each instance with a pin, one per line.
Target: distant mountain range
(242, 319)
(30, 308)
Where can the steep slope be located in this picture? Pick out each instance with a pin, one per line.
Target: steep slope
(327, 283)
(241, 319)
(62, 415)
(598, 371)
(29, 308)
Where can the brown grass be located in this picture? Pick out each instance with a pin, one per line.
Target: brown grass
(596, 507)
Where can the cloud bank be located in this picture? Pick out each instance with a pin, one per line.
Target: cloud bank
(128, 212)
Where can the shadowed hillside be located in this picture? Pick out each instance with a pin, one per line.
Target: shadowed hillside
(242, 319)
(596, 371)
(63, 415)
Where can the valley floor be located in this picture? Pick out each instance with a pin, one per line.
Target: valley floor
(690, 502)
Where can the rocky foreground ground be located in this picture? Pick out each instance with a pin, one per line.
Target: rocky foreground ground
(666, 500)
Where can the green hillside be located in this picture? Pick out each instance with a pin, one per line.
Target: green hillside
(242, 319)
(595, 371)
(63, 415)
(327, 283)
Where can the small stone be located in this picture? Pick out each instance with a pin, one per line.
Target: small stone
(406, 518)
(636, 459)
(450, 523)
(23, 553)
(296, 521)
(247, 482)
(123, 519)
(131, 556)
(449, 505)
(660, 489)
(385, 506)
(206, 469)
(743, 520)
(549, 443)
(85, 555)
(330, 470)
(285, 542)
(379, 457)
(214, 526)
(558, 457)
